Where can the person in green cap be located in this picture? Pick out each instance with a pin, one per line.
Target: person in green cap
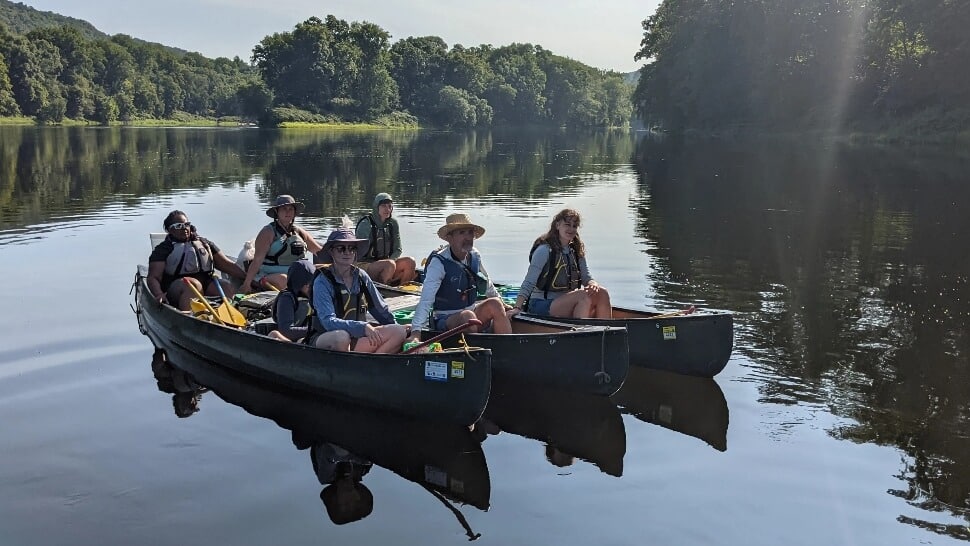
(383, 261)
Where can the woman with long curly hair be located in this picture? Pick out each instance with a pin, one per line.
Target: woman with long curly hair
(558, 283)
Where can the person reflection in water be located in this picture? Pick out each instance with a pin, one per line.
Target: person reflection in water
(345, 497)
(558, 458)
(186, 393)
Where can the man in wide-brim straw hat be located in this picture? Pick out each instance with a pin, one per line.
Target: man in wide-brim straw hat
(454, 277)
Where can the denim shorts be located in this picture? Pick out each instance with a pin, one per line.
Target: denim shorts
(540, 307)
(439, 323)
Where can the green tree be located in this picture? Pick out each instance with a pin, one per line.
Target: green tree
(298, 66)
(8, 104)
(255, 100)
(418, 67)
(516, 66)
(375, 88)
(105, 109)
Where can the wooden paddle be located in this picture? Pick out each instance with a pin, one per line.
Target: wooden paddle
(227, 313)
(444, 335)
(203, 300)
(680, 313)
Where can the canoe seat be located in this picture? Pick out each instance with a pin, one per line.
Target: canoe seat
(156, 239)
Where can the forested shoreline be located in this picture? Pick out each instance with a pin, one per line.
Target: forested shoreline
(896, 67)
(55, 69)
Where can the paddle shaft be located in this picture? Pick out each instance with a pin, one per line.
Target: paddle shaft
(444, 335)
(683, 312)
(203, 300)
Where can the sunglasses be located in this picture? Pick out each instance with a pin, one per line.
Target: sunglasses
(180, 225)
(344, 249)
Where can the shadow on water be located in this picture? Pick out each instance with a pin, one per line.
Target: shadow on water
(694, 406)
(344, 441)
(570, 424)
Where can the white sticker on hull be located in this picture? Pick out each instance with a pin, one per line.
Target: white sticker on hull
(436, 371)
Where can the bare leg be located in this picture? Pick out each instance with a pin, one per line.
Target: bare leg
(275, 334)
(460, 318)
(575, 304)
(381, 270)
(338, 340)
(393, 338)
(601, 306)
(405, 271)
(493, 310)
(276, 279)
(181, 295)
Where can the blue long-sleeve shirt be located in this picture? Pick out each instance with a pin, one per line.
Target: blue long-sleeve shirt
(323, 296)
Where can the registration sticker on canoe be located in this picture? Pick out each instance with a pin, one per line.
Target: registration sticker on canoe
(670, 333)
(436, 371)
(435, 476)
(457, 369)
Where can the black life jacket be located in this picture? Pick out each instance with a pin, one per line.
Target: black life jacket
(381, 240)
(347, 306)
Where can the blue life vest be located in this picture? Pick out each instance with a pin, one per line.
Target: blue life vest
(462, 284)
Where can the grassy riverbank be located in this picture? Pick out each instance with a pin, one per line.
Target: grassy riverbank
(206, 122)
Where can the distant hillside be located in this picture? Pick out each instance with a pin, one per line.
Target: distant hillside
(632, 77)
(21, 19)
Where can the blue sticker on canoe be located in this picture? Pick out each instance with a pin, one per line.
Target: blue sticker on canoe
(436, 371)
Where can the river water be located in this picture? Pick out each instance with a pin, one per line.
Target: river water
(842, 417)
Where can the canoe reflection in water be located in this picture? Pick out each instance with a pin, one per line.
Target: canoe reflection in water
(571, 424)
(694, 406)
(345, 440)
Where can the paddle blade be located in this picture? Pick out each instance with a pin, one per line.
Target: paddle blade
(230, 315)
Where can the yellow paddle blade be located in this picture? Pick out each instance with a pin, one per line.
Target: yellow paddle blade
(230, 315)
(197, 307)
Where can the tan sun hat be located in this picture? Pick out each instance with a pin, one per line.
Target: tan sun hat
(459, 220)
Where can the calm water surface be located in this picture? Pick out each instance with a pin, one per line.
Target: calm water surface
(841, 419)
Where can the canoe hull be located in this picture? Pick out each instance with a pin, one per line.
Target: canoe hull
(698, 344)
(452, 386)
(586, 359)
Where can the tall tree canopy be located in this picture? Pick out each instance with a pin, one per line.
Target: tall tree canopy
(787, 63)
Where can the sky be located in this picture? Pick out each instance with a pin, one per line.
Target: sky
(605, 33)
